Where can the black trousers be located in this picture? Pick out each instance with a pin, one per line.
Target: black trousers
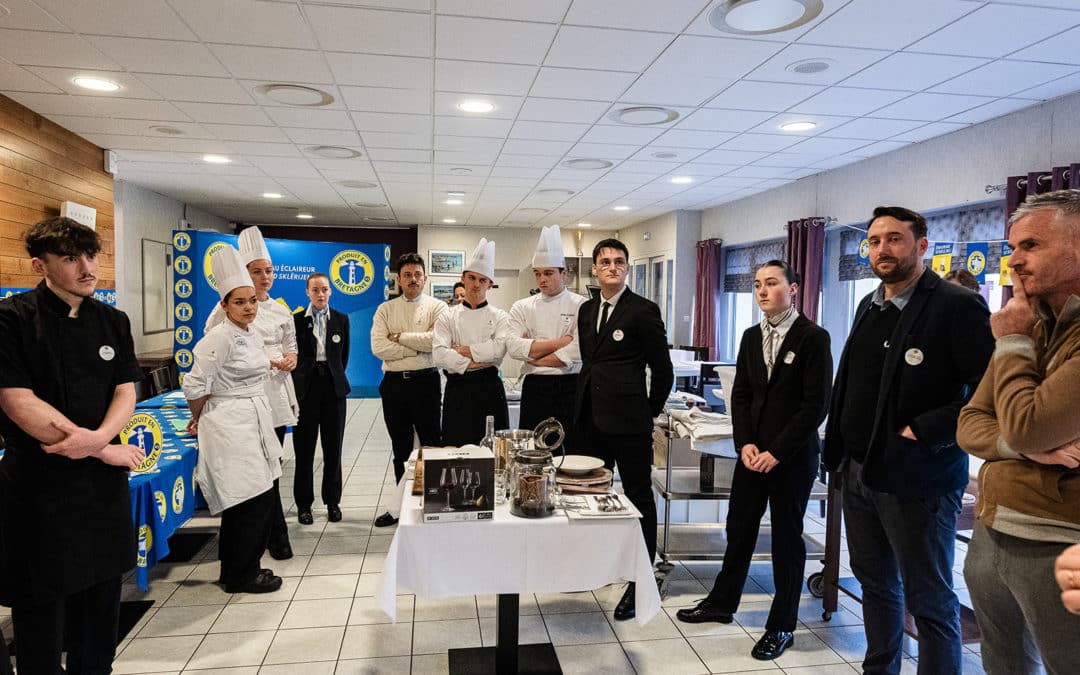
(544, 396)
(245, 529)
(5, 658)
(279, 531)
(410, 403)
(84, 624)
(632, 454)
(468, 400)
(322, 415)
(785, 490)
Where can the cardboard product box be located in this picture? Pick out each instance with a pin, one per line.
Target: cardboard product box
(459, 484)
(677, 449)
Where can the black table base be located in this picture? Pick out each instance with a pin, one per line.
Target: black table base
(507, 657)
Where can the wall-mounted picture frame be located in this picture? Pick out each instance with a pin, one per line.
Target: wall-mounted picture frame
(446, 262)
(442, 288)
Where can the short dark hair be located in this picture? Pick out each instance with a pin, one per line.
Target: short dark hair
(61, 236)
(410, 259)
(610, 243)
(964, 278)
(457, 285)
(790, 274)
(316, 275)
(917, 222)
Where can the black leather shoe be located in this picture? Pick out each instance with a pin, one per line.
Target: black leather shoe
(264, 582)
(704, 612)
(333, 513)
(280, 550)
(385, 520)
(305, 517)
(772, 644)
(626, 610)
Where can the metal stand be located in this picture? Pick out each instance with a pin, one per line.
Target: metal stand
(507, 656)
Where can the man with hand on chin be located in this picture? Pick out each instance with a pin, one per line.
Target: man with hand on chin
(67, 374)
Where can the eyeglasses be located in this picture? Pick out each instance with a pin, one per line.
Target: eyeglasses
(619, 264)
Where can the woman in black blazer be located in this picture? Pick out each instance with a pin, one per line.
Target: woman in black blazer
(780, 396)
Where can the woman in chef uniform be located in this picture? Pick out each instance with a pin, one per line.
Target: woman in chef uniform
(274, 323)
(239, 455)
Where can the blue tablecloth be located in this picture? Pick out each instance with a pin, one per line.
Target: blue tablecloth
(170, 399)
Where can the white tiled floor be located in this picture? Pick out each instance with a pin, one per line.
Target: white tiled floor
(324, 619)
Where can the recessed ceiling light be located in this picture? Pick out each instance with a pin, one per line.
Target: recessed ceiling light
(665, 155)
(296, 95)
(584, 224)
(476, 106)
(556, 192)
(272, 195)
(798, 126)
(168, 131)
(216, 159)
(304, 216)
(588, 164)
(621, 208)
(96, 83)
(333, 152)
(681, 180)
(810, 66)
(455, 193)
(454, 202)
(357, 184)
(643, 115)
(460, 171)
(370, 205)
(449, 221)
(761, 17)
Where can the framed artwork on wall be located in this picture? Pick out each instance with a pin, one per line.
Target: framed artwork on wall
(446, 262)
(442, 288)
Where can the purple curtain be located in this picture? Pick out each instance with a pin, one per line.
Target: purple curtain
(805, 252)
(707, 296)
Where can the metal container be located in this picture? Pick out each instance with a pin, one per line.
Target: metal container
(509, 442)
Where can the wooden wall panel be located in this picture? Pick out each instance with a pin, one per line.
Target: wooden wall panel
(41, 165)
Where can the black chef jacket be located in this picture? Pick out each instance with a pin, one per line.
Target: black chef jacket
(65, 524)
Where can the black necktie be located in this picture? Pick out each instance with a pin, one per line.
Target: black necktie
(604, 317)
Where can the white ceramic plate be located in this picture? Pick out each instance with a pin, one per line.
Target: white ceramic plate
(578, 464)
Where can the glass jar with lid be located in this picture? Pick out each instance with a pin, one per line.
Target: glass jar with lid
(532, 484)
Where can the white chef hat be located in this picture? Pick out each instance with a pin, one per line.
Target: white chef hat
(229, 270)
(549, 249)
(253, 246)
(482, 260)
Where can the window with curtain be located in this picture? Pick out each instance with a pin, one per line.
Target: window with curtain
(739, 311)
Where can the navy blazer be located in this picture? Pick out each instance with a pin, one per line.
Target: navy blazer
(337, 352)
(936, 357)
(781, 414)
(613, 366)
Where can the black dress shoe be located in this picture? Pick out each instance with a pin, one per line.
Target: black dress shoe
(704, 612)
(305, 517)
(264, 582)
(280, 550)
(385, 520)
(333, 513)
(772, 644)
(626, 610)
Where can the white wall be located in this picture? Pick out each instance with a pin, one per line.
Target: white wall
(144, 214)
(943, 171)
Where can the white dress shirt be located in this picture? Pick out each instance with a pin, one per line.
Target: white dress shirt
(540, 317)
(773, 332)
(414, 320)
(613, 300)
(484, 330)
(319, 320)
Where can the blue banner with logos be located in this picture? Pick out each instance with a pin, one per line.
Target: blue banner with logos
(975, 260)
(359, 277)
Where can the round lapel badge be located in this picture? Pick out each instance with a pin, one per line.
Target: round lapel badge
(336, 339)
(913, 356)
(106, 353)
(617, 335)
(789, 358)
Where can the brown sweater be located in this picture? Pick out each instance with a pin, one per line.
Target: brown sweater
(1028, 403)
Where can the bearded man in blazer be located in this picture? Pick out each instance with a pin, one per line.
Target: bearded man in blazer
(620, 333)
(322, 337)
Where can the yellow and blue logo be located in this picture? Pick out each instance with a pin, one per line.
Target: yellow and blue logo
(181, 241)
(146, 542)
(864, 249)
(386, 254)
(184, 311)
(178, 495)
(182, 264)
(208, 270)
(184, 359)
(184, 335)
(352, 272)
(159, 499)
(143, 430)
(976, 262)
(183, 288)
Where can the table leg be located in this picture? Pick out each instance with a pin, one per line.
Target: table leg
(507, 657)
(506, 642)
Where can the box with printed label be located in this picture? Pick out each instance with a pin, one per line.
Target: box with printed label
(459, 484)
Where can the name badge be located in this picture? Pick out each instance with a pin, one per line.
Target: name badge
(106, 353)
(789, 358)
(335, 339)
(914, 356)
(617, 335)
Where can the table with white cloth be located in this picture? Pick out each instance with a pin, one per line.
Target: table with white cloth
(508, 556)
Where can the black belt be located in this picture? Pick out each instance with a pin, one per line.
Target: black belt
(410, 374)
(489, 372)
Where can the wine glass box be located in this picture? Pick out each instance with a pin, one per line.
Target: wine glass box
(459, 484)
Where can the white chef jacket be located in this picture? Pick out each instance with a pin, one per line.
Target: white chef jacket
(239, 454)
(539, 317)
(484, 330)
(274, 323)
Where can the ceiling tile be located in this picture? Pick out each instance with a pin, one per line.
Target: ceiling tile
(65, 50)
(769, 96)
(723, 120)
(192, 145)
(224, 113)
(753, 171)
(487, 146)
(907, 22)
(848, 101)
(28, 15)
(527, 161)
(349, 29)
(248, 148)
(516, 146)
(562, 110)
(912, 72)
(548, 131)
(635, 14)
(593, 85)
(387, 100)
(506, 107)
(399, 155)
(826, 147)
(872, 128)
(930, 107)
(98, 125)
(684, 90)
(549, 11)
(14, 78)
(394, 124)
(315, 119)
(824, 123)
(679, 154)
(373, 70)
(990, 110)
(201, 89)
(279, 167)
(730, 157)
(483, 78)
(306, 136)
(682, 138)
(465, 156)
(376, 139)
(274, 65)
(1003, 78)
(929, 131)
(881, 147)
(622, 134)
(760, 142)
(240, 132)
(492, 40)
(464, 126)
(64, 104)
(1045, 92)
(62, 78)
(787, 160)
(132, 18)
(996, 30)
(249, 22)
(834, 162)
(715, 58)
(605, 49)
(1058, 49)
(160, 56)
(845, 62)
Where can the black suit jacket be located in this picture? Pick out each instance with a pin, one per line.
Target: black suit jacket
(949, 327)
(337, 352)
(780, 414)
(611, 387)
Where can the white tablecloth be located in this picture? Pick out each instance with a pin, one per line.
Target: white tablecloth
(514, 555)
(686, 368)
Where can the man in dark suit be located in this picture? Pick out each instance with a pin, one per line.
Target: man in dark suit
(322, 336)
(780, 396)
(916, 352)
(620, 333)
